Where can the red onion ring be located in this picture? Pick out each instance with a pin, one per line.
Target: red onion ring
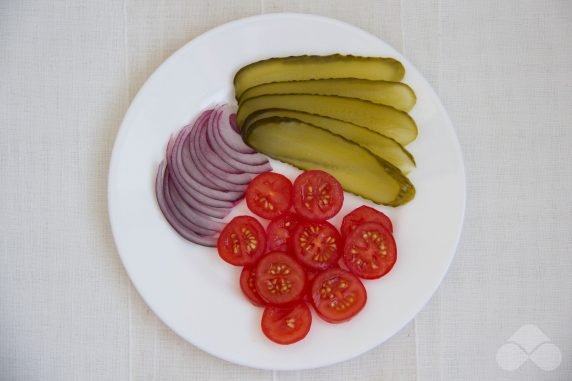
(213, 156)
(171, 216)
(184, 148)
(198, 144)
(197, 222)
(189, 179)
(202, 177)
(188, 206)
(235, 159)
(234, 140)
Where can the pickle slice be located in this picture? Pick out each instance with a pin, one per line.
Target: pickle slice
(298, 68)
(394, 94)
(308, 147)
(380, 145)
(383, 119)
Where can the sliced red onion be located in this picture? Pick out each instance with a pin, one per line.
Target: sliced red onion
(198, 150)
(190, 166)
(188, 183)
(181, 151)
(213, 156)
(210, 200)
(212, 159)
(188, 205)
(228, 133)
(234, 140)
(195, 221)
(171, 215)
(187, 179)
(192, 148)
(234, 123)
(203, 176)
(190, 196)
(178, 159)
(191, 222)
(235, 159)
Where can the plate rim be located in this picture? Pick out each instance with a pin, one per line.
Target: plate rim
(119, 137)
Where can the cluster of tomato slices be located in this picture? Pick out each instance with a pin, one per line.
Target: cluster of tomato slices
(301, 258)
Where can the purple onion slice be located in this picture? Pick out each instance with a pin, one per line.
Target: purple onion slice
(189, 207)
(234, 158)
(171, 216)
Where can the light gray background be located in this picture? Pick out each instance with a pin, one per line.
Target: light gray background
(68, 70)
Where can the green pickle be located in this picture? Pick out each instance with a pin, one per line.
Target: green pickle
(394, 94)
(298, 68)
(380, 145)
(379, 118)
(309, 147)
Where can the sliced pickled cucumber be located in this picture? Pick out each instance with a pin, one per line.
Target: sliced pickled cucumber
(380, 145)
(298, 68)
(383, 119)
(394, 94)
(308, 147)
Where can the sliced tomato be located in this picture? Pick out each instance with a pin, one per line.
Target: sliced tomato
(310, 276)
(317, 195)
(248, 287)
(286, 325)
(338, 295)
(279, 231)
(242, 241)
(279, 278)
(269, 195)
(342, 264)
(316, 244)
(362, 215)
(370, 251)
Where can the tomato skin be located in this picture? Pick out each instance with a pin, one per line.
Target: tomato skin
(310, 276)
(248, 286)
(269, 195)
(316, 245)
(362, 215)
(279, 279)
(338, 295)
(342, 264)
(317, 195)
(279, 232)
(242, 241)
(370, 251)
(286, 325)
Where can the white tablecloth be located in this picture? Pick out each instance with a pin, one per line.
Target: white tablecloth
(68, 70)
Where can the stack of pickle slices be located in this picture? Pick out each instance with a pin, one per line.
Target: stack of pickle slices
(343, 114)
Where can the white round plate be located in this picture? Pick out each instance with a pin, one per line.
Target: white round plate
(188, 286)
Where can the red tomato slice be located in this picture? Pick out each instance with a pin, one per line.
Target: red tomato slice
(279, 231)
(242, 241)
(362, 215)
(310, 276)
(286, 325)
(279, 278)
(316, 244)
(342, 264)
(338, 295)
(269, 195)
(248, 287)
(370, 251)
(317, 195)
